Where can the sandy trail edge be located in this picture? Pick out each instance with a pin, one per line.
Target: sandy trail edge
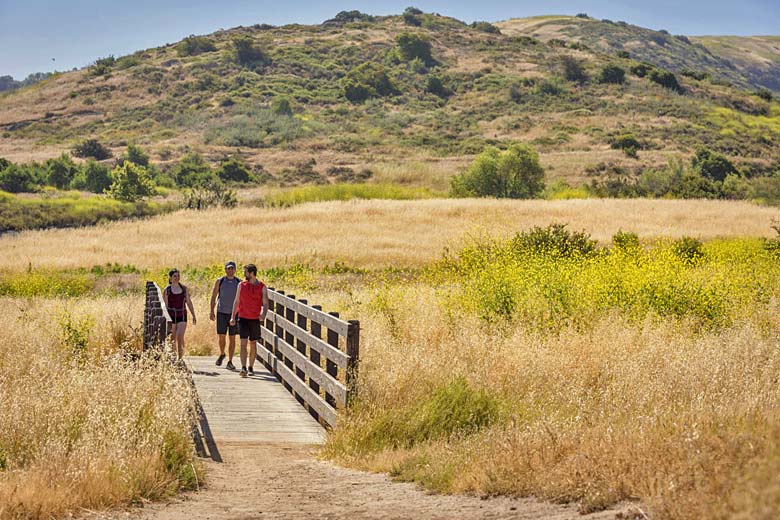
(287, 481)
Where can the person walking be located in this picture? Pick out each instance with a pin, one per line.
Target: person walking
(176, 296)
(223, 296)
(250, 306)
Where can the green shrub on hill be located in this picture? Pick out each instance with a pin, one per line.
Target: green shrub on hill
(612, 74)
(60, 171)
(366, 81)
(193, 170)
(91, 148)
(411, 46)
(486, 27)
(514, 173)
(234, 170)
(193, 45)
(247, 54)
(712, 165)
(20, 178)
(667, 80)
(573, 70)
(97, 177)
(131, 183)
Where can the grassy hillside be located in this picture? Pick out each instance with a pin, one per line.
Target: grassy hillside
(277, 97)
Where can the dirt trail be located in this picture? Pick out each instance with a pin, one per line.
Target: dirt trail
(287, 481)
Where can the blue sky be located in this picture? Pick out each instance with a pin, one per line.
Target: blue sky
(76, 32)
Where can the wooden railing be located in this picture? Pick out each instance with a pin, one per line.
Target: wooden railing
(157, 321)
(314, 354)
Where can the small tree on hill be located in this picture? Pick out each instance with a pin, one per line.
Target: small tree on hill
(411, 46)
(713, 165)
(131, 183)
(514, 173)
(136, 155)
(667, 80)
(60, 171)
(366, 81)
(234, 170)
(91, 148)
(97, 177)
(193, 45)
(573, 70)
(612, 74)
(18, 179)
(193, 170)
(247, 54)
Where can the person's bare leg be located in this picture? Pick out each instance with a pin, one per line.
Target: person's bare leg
(252, 354)
(180, 337)
(221, 344)
(231, 347)
(243, 352)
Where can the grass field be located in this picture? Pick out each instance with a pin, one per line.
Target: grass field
(642, 371)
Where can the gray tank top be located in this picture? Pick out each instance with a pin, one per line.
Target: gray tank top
(227, 294)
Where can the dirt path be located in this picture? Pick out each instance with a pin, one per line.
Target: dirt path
(287, 481)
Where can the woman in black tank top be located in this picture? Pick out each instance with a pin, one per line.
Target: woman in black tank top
(177, 299)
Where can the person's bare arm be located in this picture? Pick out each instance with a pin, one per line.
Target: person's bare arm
(264, 310)
(165, 297)
(192, 309)
(235, 306)
(214, 294)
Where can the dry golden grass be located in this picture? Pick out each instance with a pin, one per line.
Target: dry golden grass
(91, 430)
(372, 234)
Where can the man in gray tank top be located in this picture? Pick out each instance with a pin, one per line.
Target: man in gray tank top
(225, 293)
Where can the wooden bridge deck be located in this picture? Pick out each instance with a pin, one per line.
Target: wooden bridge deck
(253, 410)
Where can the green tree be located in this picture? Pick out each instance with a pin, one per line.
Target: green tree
(247, 54)
(136, 155)
(411, 46)
(97, 177)
(573, 70)
(713, 165)
(193, 45)
(131, 183)
(91, 148)
(667, 80)
(514, 173)
(60, 171)
(193, 170)
(612, 74)
(366, 81)
(234, 170)
(281, 106)
(18, 179)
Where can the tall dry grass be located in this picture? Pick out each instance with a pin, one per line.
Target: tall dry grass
(372, 234)
(81, 427)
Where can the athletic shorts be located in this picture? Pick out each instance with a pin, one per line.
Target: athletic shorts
(179, 319)
(249, 329)
(224, 326)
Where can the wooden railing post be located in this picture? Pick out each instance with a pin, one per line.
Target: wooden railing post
(353, 351)
(330, 366)
(314, 356)
(300, 345)
(279, 331)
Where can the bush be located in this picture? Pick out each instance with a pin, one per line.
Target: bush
(60, 171)
(102, 66)
(366, 81)
(435, 86)
(625, 141)
(210, 194)
(412, 10)
(713, 165)
(612, 74)
(514, 173)
(19, 179)
(411, 19)
(573, 70)
(91, 148)
(667, 80)
(131, 183)
(256, 127)
(97, 177)
(193, 170)
(625, 241)
(688, 249)
(764, 94)
(641, 70)
(234, 170)
(281, 106)
(247, 55)
(193, 45)
(623, 54)
(411, 46)
(554, 240)
(486, 27)
(136, 155)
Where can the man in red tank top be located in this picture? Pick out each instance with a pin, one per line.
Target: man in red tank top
(250, 307)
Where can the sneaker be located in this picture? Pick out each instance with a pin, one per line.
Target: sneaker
(230, 365)
(220, 359)
(251, 371)
(243, 372)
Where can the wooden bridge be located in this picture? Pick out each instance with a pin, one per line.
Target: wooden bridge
(309, 361)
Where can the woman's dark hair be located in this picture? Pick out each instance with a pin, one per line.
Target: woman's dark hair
(170, 275)
(252, 268)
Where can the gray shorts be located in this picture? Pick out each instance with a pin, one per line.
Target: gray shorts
(224, 326)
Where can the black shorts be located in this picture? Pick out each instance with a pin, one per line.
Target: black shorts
(249, 329)
(179, 319)
(224, 326)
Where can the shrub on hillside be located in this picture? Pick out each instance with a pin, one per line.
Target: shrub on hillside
(625, 241)
(102, 66)
(554, 240)
(514, 173)
(135, 155)
(97, 177)
(60, 171)
(193, 45)
(247, 54)
(19, 179)
(411, 19)
(712, 165)
(688, 249)
(210, 195)
(281, 106)
(193, 170)
(573, 70)
(612, 74)
(234, 170)
(764, 94)
(435, 86)
(641, 70)
(91, 148)
(625, 141)
(131, 183)
(366, 81)
(486, 27)
(411, 46)
(667, 80)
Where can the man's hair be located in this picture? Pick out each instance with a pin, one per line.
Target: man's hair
(252, 268)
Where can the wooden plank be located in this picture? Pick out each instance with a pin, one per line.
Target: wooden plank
(333, 386)
(331, 322)
(330, 366)
(322, 408)
(334, 354)
(353, 351)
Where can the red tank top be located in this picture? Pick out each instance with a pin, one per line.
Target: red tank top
(250, 301)
(176, 308)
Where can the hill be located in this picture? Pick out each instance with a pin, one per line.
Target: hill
(407, 98)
